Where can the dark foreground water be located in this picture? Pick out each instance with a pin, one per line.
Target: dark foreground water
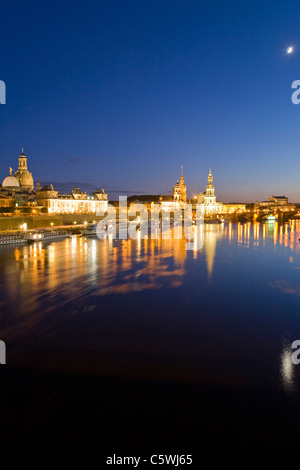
(144, 344)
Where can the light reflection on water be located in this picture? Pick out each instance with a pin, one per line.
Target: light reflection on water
(61, 263)
(234, 300)
(287, 370)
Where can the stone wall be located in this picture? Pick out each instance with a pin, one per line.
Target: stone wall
(44, 221)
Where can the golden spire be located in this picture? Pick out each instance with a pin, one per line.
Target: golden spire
(181, 177)
(10, 170)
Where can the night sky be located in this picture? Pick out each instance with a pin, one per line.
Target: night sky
(119, 94)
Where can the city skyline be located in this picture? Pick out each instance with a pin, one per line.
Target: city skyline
(150, 227)
(67, 187)
(139, 94)
(237, 194)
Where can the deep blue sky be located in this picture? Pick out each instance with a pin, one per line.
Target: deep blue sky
(119, 94)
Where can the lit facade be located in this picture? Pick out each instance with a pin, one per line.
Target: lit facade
(280, 203)
(18, 189)
(179, 190)
(75, 203)
(178, 198)
(18, 186)
(6, 201)
(168, 204)
(209, 200)
(233, 208)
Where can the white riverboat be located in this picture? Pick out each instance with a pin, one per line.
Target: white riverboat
(45, 235)
(33, 236)
(12, 239)
(55, 234)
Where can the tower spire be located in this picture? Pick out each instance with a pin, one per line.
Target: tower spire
(182, 187)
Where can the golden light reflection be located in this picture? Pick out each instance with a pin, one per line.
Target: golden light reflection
(230, 231)
(248, 231)
(256, 233)
(275, 233)
(240, 233)
(211, 236)
(69, 267)
(281, 235)
(286, 235)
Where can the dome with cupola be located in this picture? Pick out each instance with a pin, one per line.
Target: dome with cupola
(23, 175)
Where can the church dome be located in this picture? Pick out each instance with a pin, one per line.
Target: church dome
(25, 179)
(10, 182)
(24, 176)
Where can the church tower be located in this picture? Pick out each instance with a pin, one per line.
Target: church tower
(176, 192)
(182, 187)
(22, 161)
(179, 190)
(210, 197)
(23, 175)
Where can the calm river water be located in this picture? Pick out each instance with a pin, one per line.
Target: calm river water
(224, 315)
(228, 312)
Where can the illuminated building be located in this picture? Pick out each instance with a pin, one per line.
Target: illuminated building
(77, 202)
(209, 200)
(18, 190)
(178, 197)
(6, 201)
(19, 187)
(179, 190)
(280, 203)
(23, 175)
(233, 207)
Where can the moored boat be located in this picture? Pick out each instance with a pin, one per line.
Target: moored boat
(90, 230)
(11, 239)
(33, 236)
(55, 234)
(45, 235)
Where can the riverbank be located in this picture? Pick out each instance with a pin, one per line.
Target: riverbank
(15, 223)
(10, 223)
